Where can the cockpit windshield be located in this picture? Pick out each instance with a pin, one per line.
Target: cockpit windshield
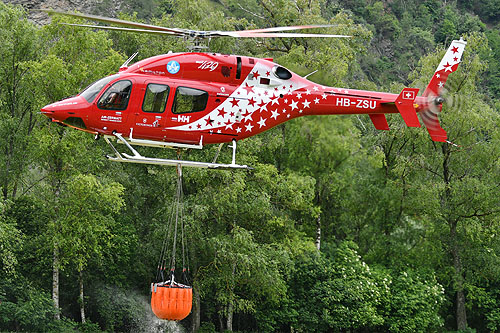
(93, 90)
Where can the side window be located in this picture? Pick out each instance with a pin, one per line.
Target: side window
(189, 100)
(155, 98)
(116, 97)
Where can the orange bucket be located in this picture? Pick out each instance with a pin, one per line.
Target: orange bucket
(171, 302)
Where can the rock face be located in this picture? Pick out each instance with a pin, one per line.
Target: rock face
(96, 7)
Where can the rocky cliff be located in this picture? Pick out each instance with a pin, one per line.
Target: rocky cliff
(96, 7)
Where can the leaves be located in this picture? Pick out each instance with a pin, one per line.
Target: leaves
(406, 224)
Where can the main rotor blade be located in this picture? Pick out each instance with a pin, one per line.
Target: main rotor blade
(202, 34)
(153, 29)
(146, 31)
(275, 34)
(294, 27)
(115, 21)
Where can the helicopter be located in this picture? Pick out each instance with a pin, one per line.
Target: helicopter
(188, 100)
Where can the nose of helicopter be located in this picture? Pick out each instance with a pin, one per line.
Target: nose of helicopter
(70, 111)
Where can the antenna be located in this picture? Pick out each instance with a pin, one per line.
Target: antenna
(125, 64)
(305, 77)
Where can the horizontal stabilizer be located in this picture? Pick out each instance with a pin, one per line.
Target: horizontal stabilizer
(405, 105)
(379, 121)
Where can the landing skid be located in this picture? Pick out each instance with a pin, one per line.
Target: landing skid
(138, 158)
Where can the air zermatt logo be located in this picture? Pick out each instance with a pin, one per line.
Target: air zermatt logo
(173, 67)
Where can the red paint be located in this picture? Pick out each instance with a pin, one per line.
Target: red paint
(241, 101)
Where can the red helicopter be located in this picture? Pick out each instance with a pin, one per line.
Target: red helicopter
(187, 100)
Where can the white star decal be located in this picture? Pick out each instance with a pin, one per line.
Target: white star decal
(293, 105)
(316, 101)
(249, 127)
(238, 129)
(288, 115)
(284, 110)
(308, 92)
(315, 88)
(275, 100)
(306, 104)
(275, 114)
(248, 117)
(262, 122)
(300, 111)
(286, 101)
(440, 84)
(299, 95)
(438, 75)
(324, 96)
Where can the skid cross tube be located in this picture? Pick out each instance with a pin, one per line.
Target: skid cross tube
(138, 158)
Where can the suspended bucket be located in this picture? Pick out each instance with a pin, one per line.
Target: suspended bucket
(171, 301)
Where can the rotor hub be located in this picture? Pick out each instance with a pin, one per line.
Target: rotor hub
(439, 100)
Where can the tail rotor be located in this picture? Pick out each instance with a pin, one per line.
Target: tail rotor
(437, 93)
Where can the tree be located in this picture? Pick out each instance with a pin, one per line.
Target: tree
(17, 106)
(414, 303)
(446, 189)
(10, 239)
(85, 222)
(241, 273)
(65, 71)
(337, 293)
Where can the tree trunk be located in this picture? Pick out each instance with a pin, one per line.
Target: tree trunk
(461, 314)
(229, 322)
(55, 281)
(196, 316)
(459, 280)
(221, 319)
(230, 307)
(318, 232)
(82, 304)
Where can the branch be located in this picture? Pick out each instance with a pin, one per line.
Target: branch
(479, 215)
(251, 13)
(35, 183)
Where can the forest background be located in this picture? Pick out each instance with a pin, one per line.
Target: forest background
(339, 228)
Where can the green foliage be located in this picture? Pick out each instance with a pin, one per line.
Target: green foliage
(17, 106)
(240, 267)
(207, 327)
(406, 224)
(10, 243)
(84, 223)
(25, 308)
(415, 303)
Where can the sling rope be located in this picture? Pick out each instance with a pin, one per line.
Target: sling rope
(175, 222)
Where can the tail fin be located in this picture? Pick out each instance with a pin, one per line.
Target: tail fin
(448, 65)
(405, 105)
